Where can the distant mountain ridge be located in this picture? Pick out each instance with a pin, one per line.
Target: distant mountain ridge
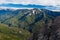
(30, 6)
(21, 5)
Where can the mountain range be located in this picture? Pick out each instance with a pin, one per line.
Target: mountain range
(22, 24)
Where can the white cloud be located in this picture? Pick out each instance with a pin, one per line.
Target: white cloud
(41, 2)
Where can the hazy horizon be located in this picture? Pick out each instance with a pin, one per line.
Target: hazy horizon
(44, 4)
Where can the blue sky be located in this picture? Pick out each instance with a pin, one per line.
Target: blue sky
(51, 4)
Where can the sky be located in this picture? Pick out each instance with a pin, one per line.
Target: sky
(40, 2)
(55, 3)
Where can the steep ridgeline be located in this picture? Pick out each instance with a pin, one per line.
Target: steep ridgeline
(36, 21)
(51, 28)
(23, 18)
